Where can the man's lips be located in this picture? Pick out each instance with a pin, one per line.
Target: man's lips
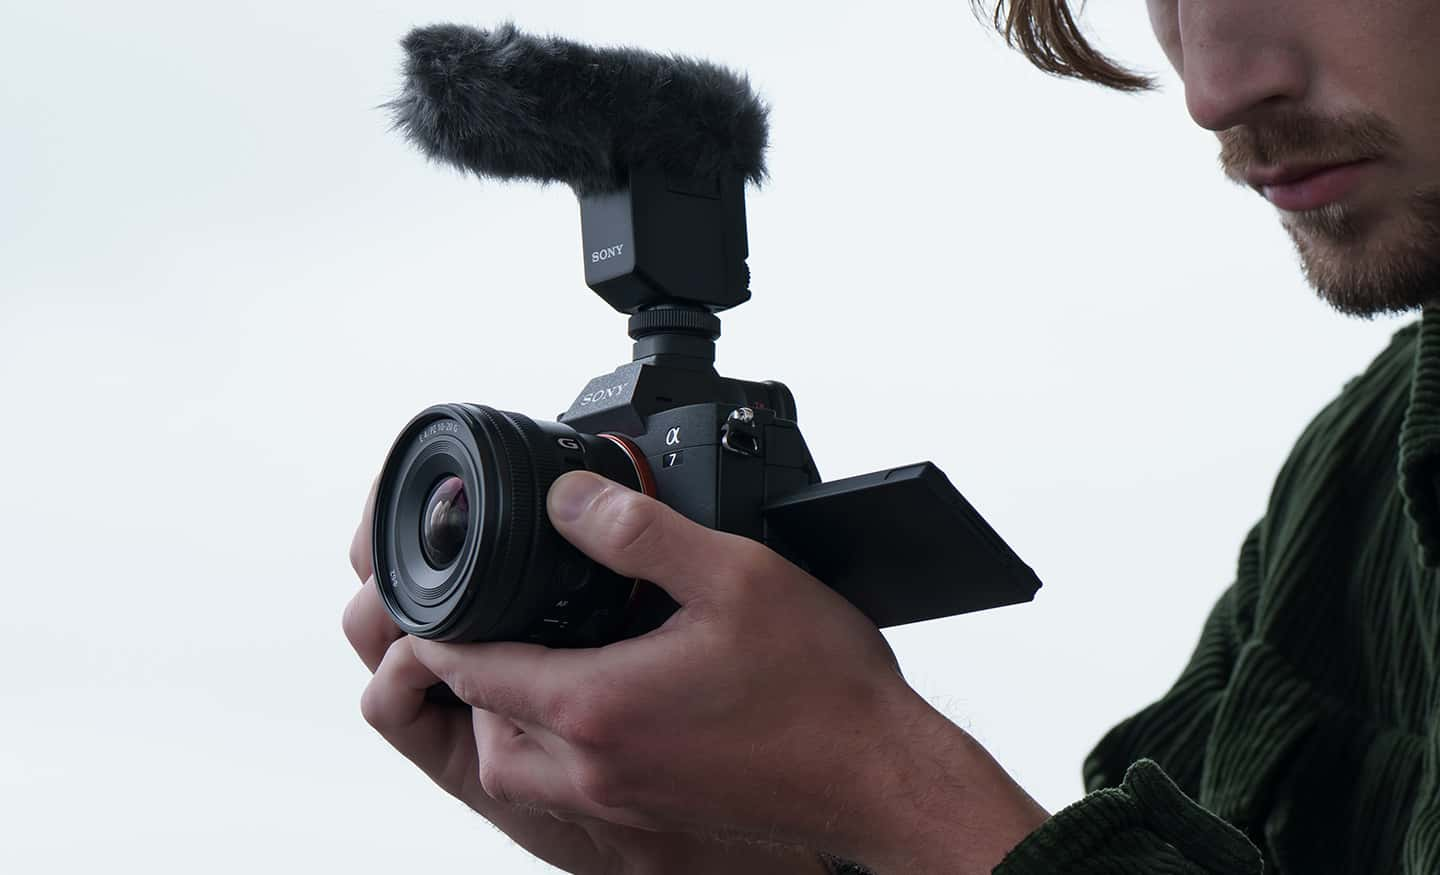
(1296, 188)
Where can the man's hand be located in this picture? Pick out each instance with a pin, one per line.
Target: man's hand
(450, 744)
(766, 706)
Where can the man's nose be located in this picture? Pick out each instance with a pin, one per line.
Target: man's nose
(1242, 59)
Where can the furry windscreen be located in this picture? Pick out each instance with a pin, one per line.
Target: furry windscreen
(503, 104)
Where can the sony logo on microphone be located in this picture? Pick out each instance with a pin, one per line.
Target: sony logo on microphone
(607, 253)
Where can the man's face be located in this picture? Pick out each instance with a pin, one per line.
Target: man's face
(1330, 109)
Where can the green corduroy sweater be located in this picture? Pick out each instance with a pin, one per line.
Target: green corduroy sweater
(1305, 729)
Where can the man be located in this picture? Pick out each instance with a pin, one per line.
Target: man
(1303, 730)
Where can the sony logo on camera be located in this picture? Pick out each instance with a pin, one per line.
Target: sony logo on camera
(607, 253)
(599, 395)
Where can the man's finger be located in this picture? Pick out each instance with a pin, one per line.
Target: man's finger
(360, 558)
(525, 683)
(435, 737)
(514, 769)
(639, 537)
(367, 625)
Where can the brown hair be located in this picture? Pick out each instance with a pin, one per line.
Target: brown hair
(1045, 31)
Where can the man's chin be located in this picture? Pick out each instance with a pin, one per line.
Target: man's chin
(1364, 265)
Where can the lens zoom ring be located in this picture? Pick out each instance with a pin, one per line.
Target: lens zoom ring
(518, 467)
(542, 454)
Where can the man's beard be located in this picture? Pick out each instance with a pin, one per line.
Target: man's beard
(1368, 271)
(1361, 268)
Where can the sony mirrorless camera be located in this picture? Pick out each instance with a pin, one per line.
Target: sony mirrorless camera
(658, 150)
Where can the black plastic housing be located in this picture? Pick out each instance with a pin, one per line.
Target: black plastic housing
(667, 240)
(901, 545)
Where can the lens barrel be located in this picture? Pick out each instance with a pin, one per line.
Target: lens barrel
(463, 548)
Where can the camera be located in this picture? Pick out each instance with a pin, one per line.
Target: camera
(463, 548)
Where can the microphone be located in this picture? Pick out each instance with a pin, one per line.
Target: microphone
(507, 105)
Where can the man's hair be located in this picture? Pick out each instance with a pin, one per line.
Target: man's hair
(1046, 32)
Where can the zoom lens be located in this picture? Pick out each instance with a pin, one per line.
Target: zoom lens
(463, 548)
(444, 522)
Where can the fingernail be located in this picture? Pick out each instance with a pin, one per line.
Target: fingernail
(572, 493)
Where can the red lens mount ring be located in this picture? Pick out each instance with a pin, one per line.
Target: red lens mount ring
(637, 459)
(647, 487)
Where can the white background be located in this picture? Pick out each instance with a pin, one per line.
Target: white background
(225, 285)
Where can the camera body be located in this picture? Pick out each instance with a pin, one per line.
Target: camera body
(903, 545)
(718, 460)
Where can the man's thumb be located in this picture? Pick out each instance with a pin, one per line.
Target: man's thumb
(632, 534)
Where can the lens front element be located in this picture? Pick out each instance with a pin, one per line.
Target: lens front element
(444, 523)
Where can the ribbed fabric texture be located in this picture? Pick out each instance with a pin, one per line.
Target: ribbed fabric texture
(1304, 728)
(1144, 826)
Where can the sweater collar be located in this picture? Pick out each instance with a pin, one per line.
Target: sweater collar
(1419, 461)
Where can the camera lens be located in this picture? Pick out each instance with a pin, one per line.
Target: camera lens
(463, 548)
(444, 522)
